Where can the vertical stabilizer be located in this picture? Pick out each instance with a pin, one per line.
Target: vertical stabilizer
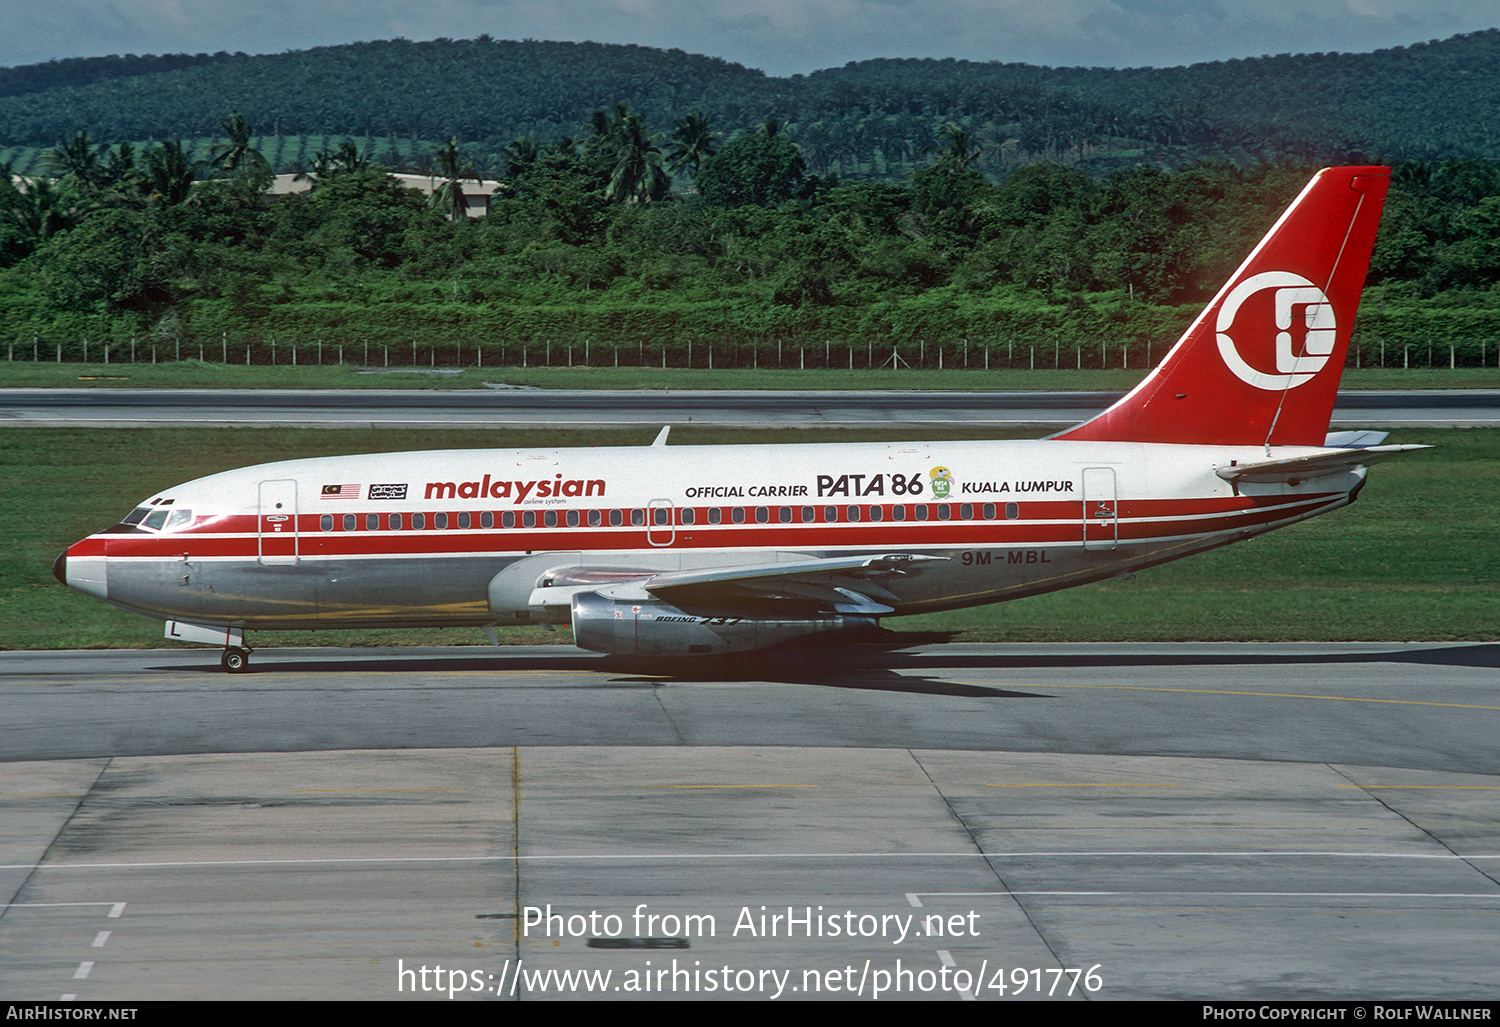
(1261, 364)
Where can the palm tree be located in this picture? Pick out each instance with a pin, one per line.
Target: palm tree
(35, 209)
(237, 155)
(170, 172)
(955, 148)
(77, 157)
(627, 154)
(121, 168)
(449, 165)
(691, 142)
(519, 156)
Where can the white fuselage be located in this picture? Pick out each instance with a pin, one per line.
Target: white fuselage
(471, 537)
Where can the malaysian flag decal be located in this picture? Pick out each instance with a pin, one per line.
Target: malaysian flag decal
(340, 492)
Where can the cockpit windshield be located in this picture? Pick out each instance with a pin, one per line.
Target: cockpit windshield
(159, 518)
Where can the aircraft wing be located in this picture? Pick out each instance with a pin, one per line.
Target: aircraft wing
(850, 584)
(1297, 468)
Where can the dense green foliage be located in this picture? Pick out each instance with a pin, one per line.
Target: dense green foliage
(739, 230)
(1049, 265)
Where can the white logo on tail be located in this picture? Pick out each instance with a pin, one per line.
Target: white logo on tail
(1292, 291)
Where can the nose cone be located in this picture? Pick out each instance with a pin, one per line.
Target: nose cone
(87, 572)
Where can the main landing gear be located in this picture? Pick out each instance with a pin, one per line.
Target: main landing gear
(235, 660)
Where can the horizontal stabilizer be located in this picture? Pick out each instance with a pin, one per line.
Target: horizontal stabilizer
(1295, 469)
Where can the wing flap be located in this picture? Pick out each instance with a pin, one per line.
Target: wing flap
(844, 584)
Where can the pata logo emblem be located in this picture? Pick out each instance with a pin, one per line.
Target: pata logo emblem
(1295, 296)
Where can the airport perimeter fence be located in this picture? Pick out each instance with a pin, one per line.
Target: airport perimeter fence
(957, 355)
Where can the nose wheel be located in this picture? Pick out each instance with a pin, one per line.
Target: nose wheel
(235, 660)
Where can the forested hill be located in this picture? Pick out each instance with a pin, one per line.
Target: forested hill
(872, 118)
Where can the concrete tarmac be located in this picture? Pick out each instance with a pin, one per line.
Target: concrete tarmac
(1249, 822)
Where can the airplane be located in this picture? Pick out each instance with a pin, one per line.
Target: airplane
(662, 551)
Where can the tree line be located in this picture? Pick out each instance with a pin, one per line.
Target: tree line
(871, 119)
(626, 235)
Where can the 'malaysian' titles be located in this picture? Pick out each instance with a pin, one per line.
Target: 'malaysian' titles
(516, 491)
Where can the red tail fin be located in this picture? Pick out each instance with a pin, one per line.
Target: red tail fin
(1261, 364)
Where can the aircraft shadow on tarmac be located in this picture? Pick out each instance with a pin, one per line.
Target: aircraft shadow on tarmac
(862, 667)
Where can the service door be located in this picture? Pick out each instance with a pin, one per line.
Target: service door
(277, 523)
(1100, 509)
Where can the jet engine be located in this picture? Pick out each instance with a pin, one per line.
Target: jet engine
(650, 627)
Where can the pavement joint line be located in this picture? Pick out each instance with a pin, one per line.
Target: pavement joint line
(1232, 691)
(1088, 784)
(1459, 787)
(1074, 854)
(1227, 894)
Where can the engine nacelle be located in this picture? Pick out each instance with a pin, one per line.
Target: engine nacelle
(650, 627)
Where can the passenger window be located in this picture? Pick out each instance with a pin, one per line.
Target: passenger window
(966, 511)
(418, 521)
(637, 517)
(616, 518)
(528, 519)
(989, 511)
(440, 521)
(325, 523)
(487, 519)
(688, 515)
(945, 512)
(784, 514)
(762, 514)
(395, 522)
(830, 513)
(1012, 511)
(715, 515)
(662, 515)
(508, 519)
(595, 518)
(372, 522)
(808, 515)
(572, 518)
(922, 513)
(351, 522)
(898, 512)
(464, 520)
(549, 518)
(853, 513)
(737, 515)
(876, 513)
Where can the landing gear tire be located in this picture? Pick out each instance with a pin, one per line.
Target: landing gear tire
(235, 660)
